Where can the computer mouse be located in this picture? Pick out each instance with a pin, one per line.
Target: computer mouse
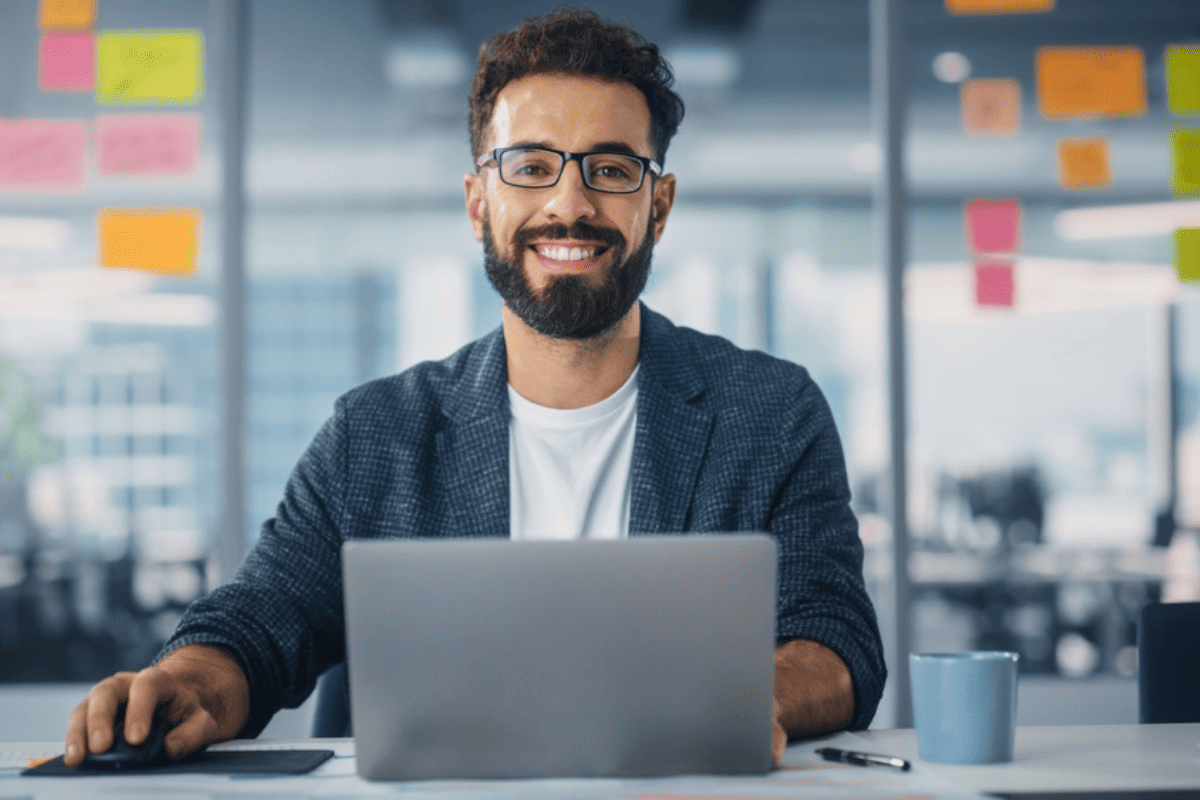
(125, 756)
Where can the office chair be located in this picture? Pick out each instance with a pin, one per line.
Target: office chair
(1169, 663)
(332, 715)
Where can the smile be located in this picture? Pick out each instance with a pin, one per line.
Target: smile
(567, 254)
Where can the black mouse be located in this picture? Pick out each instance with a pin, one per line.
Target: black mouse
(123, 755)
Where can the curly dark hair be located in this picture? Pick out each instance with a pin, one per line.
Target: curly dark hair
(575, 41)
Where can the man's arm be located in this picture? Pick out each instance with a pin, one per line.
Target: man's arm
(205, 692)
(814, 694)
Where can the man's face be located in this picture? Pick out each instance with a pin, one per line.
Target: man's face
(568, 260)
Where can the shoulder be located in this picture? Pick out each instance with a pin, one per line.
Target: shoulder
(469, 378)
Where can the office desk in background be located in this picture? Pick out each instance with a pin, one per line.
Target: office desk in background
(1072, 758)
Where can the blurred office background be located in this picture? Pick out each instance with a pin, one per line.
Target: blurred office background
(1053, 447)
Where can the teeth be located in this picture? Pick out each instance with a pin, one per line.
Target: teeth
(566, 254)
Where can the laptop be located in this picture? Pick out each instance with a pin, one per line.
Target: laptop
(491, 658)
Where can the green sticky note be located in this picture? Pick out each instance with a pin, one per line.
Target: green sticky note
(1185, 172)
(137, 67)
(1183, 79)
(1187, 254)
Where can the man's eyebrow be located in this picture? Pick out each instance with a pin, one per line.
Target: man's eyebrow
(620, 148)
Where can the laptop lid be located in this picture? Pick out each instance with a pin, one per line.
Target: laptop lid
(502, 659)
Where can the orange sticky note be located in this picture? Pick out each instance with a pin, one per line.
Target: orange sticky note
(66, 14)
(1091, 82)
(1084, 164)
(999, 6)
(991, 106)
(163, 240)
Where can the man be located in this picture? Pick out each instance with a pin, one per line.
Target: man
(585, 416)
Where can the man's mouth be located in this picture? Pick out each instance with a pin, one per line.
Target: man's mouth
(568, 255)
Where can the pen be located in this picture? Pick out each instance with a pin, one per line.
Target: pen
(862, 759)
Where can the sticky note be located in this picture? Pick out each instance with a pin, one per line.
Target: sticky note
(66, 14)
(994, 285)
(991, 106)
(67, 61)
(1183, 79)
(147, 144)
(164, 240)
(1091, 82)
(993, 225)
(1187, 254)
(42, 155)
(150, 66)
(1084, 164)
(1185, 161)
(998, 6)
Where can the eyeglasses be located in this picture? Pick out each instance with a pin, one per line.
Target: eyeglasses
(539, 167)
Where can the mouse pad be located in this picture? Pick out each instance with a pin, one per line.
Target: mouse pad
(222, 762)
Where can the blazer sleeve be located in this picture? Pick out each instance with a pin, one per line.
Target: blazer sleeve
(822, 596)
(281, 615)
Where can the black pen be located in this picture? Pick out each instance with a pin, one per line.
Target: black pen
(863, 759)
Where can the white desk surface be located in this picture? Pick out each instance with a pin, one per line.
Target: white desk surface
(1073, 758)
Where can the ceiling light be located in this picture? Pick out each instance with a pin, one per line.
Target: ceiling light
(951, 67)
(1123, 222)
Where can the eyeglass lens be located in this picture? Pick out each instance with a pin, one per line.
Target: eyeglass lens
(604, 172)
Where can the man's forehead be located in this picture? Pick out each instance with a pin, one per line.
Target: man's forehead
(570, 110)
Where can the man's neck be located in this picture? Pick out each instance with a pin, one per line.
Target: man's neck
(562, 373)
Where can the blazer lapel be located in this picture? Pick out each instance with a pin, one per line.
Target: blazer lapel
(671, 435)
(472, 447)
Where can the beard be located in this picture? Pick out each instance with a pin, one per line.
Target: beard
(568, 307)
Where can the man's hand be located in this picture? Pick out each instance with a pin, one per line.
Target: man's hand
(814, 694)
(206, 695)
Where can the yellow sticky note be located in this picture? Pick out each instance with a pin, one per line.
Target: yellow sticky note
(74, 14)
(1084, 164)
(163, 240)
(991, 106)
(150, 66)
(1187, 254)
(1183, 79)
(1185, 171)
(998, 6)
(1091, 82)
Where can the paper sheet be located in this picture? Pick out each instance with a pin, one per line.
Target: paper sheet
(999, 6)
(991, 106)
(66, 14)
(42, 154)
(150, 66)
(1187, 254)
(1185, 161)
(147, 144)
(1084, 164)
(157, 240)
(993, 225)
(67, 61)
(1075, 82)
(994, 285)
(1183, 79)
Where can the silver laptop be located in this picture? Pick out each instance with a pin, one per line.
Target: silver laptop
(492, 658)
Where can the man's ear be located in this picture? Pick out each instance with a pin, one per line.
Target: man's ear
(473, 191)
(661, 203)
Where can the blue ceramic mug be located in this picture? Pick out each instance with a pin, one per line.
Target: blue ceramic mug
(965, 706)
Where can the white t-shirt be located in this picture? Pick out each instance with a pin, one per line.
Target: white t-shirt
(568, 469)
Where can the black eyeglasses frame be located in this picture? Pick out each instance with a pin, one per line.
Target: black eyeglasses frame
(649, 165)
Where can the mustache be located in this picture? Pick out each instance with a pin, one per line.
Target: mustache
(578, 230)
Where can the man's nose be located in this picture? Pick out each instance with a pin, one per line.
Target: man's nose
(570, 199)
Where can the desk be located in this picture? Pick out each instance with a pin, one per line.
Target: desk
(1076, 758)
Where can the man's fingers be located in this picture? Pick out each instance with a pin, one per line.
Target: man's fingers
(197, 730)
(76, 742)
(778, 742)
(150, 688)
(102, 703)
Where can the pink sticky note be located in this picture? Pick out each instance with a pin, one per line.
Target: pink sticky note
(42, 154)
(993, 225)
(994, 285)
(148, 144)
(67, 61)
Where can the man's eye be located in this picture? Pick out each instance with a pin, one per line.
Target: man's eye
(618, 171)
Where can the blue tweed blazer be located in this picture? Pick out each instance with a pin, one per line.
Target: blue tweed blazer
(725, 440)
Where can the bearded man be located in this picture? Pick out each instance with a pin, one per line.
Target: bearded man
(585, 415)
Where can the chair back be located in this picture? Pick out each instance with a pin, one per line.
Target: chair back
(332, 716)
(1169, 663)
